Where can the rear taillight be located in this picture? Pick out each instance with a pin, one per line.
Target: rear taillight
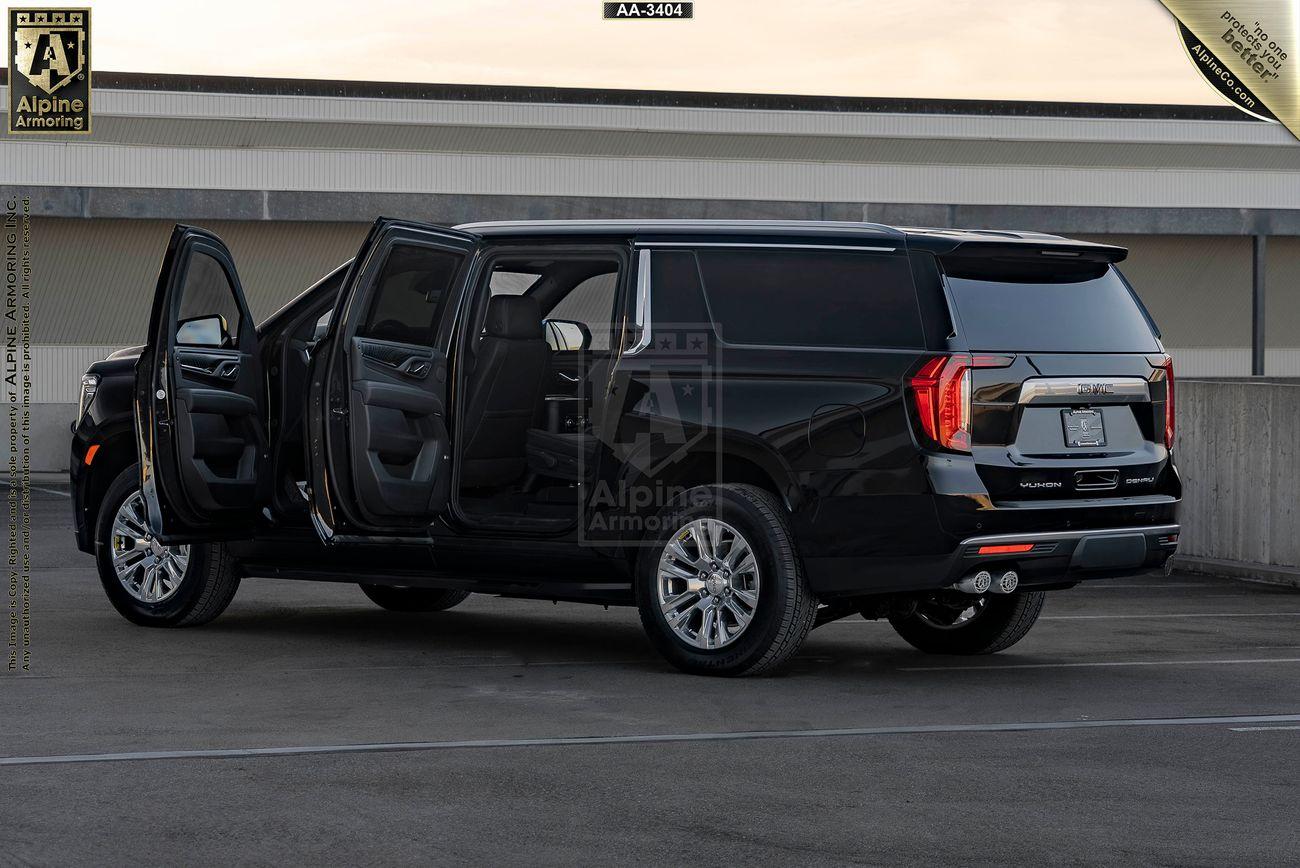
(1168, 366)
(941, 391)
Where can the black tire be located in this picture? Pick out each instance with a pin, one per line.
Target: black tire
(206, 588)
(786, 607)
(413, 599)
(1004, 621)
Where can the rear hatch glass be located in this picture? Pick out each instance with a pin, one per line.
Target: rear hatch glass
(1084, 307)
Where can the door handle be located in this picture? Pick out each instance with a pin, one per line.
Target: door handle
(226, 370)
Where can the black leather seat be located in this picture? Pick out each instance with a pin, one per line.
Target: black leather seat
(505, 392)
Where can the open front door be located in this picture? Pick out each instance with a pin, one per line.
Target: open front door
(200, 397)
(380, 448)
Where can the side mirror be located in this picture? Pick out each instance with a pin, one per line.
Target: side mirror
(567, 336)
(203, 331)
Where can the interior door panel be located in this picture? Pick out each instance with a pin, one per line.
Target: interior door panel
(379, 443)
(399, 427)
(219, 434)
(199, 398)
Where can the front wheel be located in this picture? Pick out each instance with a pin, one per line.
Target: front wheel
(948, 622)
(152, 584)
(720, 588)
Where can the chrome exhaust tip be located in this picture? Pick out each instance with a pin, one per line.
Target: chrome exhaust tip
(1006, 583)
(976, 583)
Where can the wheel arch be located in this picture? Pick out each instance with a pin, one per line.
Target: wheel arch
(117, 451)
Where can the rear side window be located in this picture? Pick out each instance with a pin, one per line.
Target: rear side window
(811, 298)
(1062, 310)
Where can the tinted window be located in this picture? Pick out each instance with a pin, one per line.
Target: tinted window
(410, 293)
(206, 292)
(592, 304)
(1087, 311)
(811, 298)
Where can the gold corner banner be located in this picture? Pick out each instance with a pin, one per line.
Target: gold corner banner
(1246, 50)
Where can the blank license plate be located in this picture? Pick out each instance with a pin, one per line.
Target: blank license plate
(1083, 428)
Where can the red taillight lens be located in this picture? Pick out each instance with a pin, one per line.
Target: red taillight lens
(1169, 402)
(941, 390)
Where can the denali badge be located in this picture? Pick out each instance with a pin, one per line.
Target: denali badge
(1041, 484)
(1096, 388)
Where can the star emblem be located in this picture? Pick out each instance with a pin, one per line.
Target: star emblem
(665, 344)
(697, 343)
(688, 390)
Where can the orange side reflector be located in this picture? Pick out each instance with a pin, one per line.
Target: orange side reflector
(1006, 550)
(91, 453)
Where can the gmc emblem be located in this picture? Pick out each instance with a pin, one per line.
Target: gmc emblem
(1096, 388)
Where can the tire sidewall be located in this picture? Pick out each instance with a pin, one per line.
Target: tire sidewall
(775, 578)
(167, 612)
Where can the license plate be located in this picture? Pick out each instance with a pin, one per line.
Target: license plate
(1083, 428)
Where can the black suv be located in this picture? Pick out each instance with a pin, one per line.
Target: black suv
(745, 429)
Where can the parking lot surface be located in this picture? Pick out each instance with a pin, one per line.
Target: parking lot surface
(1151, 720)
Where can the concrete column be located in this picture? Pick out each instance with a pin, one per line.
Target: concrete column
(1258, 262)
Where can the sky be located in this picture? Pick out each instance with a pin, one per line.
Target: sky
(1078, 50)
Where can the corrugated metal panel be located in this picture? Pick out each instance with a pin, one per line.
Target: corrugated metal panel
(56, 372)
(93, 280)
(362, 110)
(205, 168)
(226, 133)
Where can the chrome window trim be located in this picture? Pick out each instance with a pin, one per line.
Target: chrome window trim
(1066, 390)
(642, 314)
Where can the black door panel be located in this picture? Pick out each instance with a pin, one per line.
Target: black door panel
(199, 398)
(399, 432)
(380, 451)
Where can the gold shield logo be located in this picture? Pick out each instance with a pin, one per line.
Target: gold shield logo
(50, 46)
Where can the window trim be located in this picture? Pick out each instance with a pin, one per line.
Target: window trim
(641, 313)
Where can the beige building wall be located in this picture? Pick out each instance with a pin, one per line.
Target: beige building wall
(93, 280)
(1197, 288)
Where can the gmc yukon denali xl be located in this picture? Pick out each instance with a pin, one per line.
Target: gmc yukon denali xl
(744, 429)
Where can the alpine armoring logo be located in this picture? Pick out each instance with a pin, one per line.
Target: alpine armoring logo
(49, 71)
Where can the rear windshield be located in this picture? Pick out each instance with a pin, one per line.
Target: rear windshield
(1061, 310)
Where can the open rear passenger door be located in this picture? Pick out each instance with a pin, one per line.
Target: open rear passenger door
(200, 412)
(379, 443)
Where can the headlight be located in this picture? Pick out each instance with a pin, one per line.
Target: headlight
(89, 385)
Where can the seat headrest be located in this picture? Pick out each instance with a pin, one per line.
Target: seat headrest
(517, 317)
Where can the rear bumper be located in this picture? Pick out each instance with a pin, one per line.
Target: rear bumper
(1062, 557)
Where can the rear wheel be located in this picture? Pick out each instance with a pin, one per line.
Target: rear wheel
(413, 599)
(948, 622)
(720, 588)
(152, 584)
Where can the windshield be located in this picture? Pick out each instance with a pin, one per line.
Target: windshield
(1056, 310)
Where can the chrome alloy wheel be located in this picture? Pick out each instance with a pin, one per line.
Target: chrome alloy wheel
(150, 571)
(708, 583)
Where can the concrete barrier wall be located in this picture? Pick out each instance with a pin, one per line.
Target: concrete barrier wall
(1237, 452)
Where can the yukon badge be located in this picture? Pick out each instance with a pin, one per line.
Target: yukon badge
(1096, 388)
